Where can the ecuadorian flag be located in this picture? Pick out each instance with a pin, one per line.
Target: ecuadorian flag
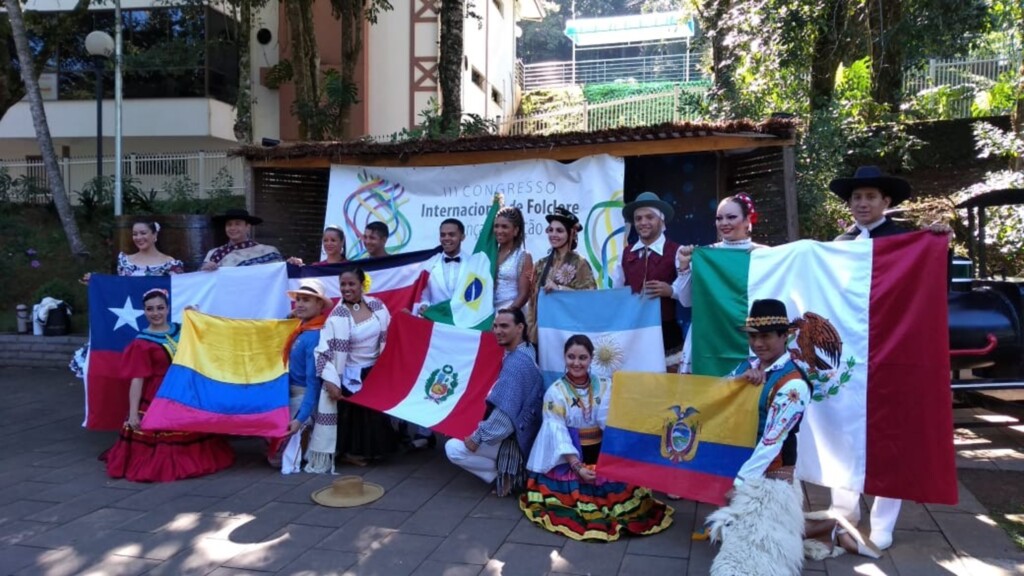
(683, 434)
(227, 378)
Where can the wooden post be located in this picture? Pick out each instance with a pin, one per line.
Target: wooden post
(789, 189)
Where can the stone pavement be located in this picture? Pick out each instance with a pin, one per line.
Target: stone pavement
(60, 514)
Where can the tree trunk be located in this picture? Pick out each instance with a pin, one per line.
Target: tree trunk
(243, 102)
(305, 59)
(352, 23)
(35, 99)
(449, 66)
(724, 94)
(885, 20)
(827, 53)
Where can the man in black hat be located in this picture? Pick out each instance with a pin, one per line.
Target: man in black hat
(648, 266)
(240, 250)
(868, 194)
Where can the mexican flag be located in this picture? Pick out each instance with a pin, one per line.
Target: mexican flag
(434, 375)
(871, 331)
(472, 306)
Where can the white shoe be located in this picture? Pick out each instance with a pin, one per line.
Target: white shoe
(883, 540)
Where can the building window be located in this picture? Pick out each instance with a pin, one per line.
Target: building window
(499, 6)
(497, 97)
(478, 79)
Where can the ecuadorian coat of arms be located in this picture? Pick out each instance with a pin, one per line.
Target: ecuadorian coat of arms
(441, 384)
(818, 349)
(680, 437)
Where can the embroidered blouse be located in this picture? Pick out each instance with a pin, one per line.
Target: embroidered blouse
(126, 267)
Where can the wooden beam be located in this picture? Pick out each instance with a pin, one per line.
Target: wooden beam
(630, 148)
(789, 190)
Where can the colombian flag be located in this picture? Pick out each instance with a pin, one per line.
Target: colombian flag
(688, 435)
(227, 378)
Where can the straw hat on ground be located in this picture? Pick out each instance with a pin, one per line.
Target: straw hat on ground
(347, 492)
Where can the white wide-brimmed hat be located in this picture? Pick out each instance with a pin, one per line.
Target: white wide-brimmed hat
(312, 287)
(347, 492)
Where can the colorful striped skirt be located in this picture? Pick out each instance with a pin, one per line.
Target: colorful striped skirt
(560, 503)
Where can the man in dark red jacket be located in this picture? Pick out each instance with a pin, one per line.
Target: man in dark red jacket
(648, 266)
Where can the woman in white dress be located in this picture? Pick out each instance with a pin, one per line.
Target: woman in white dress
(515, 265)
(350, 343)
(734, 221)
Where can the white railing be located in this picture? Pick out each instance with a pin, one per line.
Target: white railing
(965, 74)
(159, 175)
(668, 68)
(643, 110)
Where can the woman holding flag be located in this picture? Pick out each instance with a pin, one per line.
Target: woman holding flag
(734, 221)
(350, 343)
(562, 268)
(564, 493)
(152, 456)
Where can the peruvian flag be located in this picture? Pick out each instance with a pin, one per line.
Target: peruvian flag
(397, 280)
(434, 375)
(871, 330)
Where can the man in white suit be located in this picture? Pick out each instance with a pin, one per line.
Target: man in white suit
(446, 266)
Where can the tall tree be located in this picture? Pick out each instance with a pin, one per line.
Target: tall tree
(305, 61)
(449, 65)
(35, 99)
(885, 20)
(354, 14)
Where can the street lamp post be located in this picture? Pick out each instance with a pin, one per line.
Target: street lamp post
(100, 46)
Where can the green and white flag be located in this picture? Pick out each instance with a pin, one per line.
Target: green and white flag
(472, 304)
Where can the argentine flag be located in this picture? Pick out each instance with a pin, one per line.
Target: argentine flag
(624, 327)
(472, 305)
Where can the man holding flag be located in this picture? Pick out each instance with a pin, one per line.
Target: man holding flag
(445, 268)
(868, 194)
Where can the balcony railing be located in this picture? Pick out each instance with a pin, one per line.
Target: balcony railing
(668, 68)
(155, 175)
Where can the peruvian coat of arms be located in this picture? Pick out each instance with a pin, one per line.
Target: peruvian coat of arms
(441, 384)
(817, 348)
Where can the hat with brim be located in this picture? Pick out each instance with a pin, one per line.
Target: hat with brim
(567, 218)
(768, 315)
(347, 492)
(311, 287)
(237, 214)
(895, 188)
(647, 200)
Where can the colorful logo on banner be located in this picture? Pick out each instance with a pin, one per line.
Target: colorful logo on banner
(377, 200)
(604, 239)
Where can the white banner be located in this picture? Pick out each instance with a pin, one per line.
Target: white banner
(414, 201)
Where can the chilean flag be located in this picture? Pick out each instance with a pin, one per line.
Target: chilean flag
(397, 280)
(871, 330)
(433, 374)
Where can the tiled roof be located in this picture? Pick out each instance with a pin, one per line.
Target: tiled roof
(776, 127)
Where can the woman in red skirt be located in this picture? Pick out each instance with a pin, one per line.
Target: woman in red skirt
(151, 456)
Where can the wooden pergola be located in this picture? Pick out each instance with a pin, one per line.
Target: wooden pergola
(288, 183)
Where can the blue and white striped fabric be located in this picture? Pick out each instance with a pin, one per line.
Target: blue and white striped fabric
(624, 327)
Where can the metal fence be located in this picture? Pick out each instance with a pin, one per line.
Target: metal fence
(646, 110)
(962, 77)
(159, 175)
(668, 68)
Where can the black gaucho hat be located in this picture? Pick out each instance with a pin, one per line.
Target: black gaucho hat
(236, 214)
(768, 315)
(871, 177)
(566, 217)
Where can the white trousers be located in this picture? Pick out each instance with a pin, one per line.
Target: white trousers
(483, 463)
(884, 511)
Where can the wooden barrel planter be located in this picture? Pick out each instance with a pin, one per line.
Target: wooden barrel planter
(186, 237)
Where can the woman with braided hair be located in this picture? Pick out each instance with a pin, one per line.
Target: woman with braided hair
(734, 221)
(515, 265)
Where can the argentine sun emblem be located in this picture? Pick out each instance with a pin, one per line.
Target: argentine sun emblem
(441, 384)
(680, 439)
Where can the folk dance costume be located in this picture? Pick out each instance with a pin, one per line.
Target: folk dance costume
(247, 253)
(346, 352)
(761, 528)
(154, 456)
(556, 499)
(125, 267)
(443, 279)
(681, 289)
(303, 383)
(506, 281)
(569, 273)
(510, 424)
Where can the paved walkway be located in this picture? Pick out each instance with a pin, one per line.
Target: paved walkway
(60, 514)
